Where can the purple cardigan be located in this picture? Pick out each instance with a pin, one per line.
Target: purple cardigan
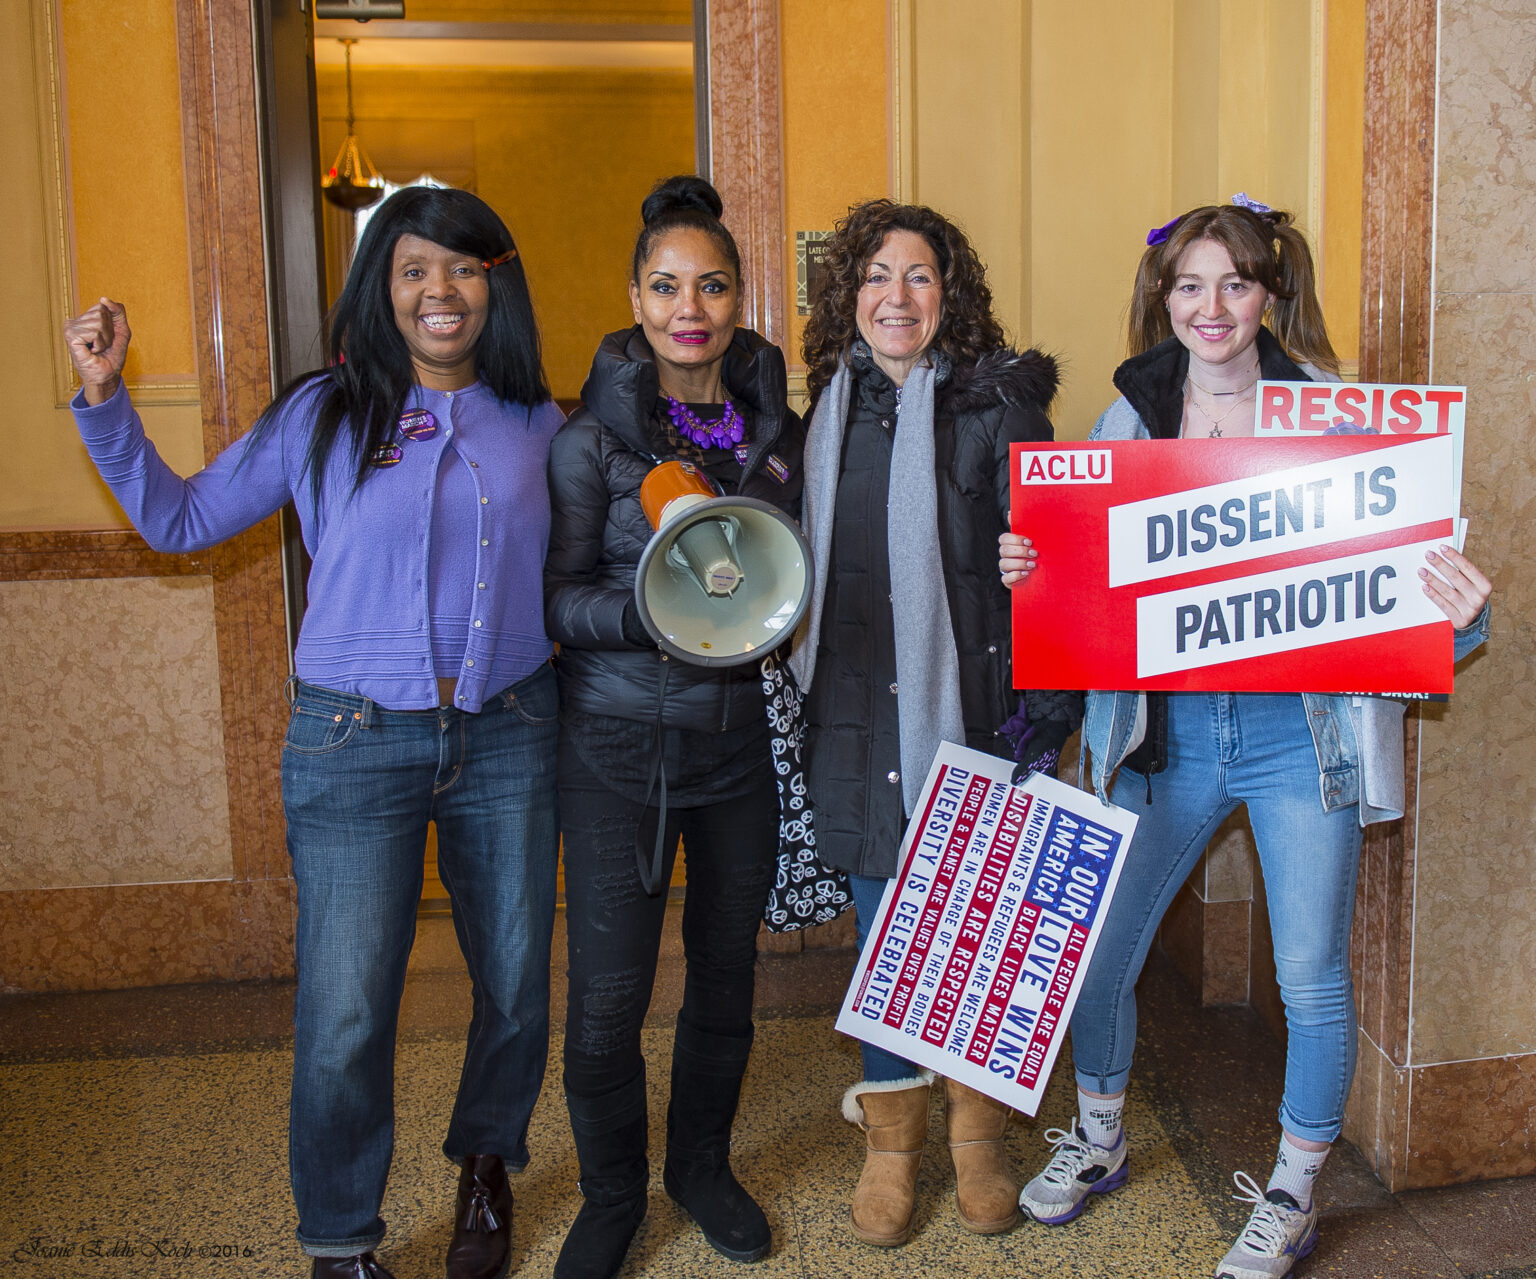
(367, 628)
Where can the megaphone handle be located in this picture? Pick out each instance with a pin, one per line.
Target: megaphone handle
(650, 866)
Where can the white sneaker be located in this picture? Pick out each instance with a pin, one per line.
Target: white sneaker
(1077, 1169)
(1279, 1233)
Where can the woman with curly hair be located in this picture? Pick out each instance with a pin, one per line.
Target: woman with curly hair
(916, 399)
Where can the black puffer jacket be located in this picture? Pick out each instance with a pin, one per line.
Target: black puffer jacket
(979, 412)
(598, 531)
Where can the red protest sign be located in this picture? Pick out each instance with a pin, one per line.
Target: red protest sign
(1243, 565)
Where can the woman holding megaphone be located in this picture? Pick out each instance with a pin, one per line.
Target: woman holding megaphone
(1224, 297)
(916, 400)
(653, 748)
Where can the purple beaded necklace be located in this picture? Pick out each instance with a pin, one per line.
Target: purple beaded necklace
(724, 432)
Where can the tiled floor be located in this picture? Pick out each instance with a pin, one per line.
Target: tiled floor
(143, 1133)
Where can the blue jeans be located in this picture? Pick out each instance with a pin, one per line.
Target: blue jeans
(880, 1066)
(1226, 749)
(360, 784)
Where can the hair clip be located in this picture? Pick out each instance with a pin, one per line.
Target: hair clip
(487, 263)
(1160, 233)
(1253, 206)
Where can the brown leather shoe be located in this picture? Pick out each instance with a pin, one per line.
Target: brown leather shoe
(986, 1195)
(363, 1266)
(481, 1247)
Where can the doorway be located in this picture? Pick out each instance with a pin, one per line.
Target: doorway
(562, 126)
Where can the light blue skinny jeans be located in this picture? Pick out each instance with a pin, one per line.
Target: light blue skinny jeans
(1226, 749)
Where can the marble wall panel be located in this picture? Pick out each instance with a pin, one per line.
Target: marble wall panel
(113, 771)
(1487, 159)
(61, 554)
(1471, 1121)
(221, 157)
(1231, 862)
(1397, 232)
(1362, 1124)
(747, 149)
(1209, 944)
(145, 935)
(1376, 1114)
(1474, 949)
(1441, 946)
(1381, 939)
(1182, 935)
(1226, 953)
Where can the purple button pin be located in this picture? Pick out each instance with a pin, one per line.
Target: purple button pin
(418, 424)
(388, 455)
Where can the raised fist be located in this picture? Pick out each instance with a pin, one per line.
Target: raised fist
(98, 345)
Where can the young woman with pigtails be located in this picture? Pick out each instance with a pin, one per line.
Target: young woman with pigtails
(1225, 297)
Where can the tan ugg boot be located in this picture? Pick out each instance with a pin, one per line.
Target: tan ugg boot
(986, 1196)
(894, 1117)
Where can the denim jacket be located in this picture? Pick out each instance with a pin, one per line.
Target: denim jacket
(1359, 740)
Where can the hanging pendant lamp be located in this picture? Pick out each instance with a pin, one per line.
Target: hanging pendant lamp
(351, 182)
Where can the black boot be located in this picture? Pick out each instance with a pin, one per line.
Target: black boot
(706, 1083)
(610, 1145)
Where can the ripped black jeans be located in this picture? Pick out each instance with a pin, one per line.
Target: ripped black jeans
(614, 929)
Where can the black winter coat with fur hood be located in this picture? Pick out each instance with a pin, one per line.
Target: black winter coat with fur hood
(979, 412)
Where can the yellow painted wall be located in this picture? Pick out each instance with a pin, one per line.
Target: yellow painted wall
(125, 172)
(1101, 112)
(1059, 135)
(971, 142)
(1178, 103)
(92, 165)
(564, 156)
(836, 135)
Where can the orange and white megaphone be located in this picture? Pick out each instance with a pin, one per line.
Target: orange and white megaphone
(723, 579)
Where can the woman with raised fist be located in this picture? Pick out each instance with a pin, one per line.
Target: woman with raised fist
(423, 690)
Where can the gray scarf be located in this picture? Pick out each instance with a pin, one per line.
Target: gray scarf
(927, 664)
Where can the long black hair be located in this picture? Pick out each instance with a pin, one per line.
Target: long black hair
(362, 392)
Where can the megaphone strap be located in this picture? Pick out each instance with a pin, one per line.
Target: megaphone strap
(650, 865)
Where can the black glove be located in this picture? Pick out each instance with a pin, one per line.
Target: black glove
(1037, 749)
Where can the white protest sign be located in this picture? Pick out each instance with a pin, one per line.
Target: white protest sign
(1296, 509)
(1288, 609)
(973, 964)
